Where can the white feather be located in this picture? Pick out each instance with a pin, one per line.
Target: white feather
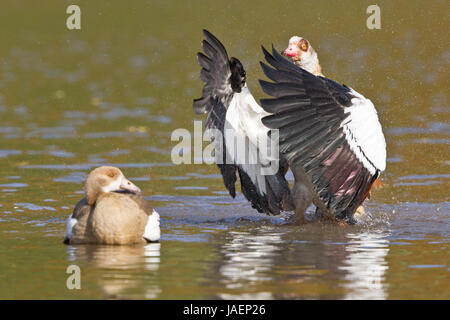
(152, 231)
(295, 39)
(69, 225)
(364, 134)
(243, 119)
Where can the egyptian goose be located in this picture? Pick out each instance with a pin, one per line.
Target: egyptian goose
(113, 212)
(329, 135)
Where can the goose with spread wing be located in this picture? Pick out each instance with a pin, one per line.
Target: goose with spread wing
(329, 135)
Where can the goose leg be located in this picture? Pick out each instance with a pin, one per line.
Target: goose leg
(322, 215)
(301, 194)
(302, 200)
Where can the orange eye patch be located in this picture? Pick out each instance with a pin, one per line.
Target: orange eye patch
(111, 174)
(303, 45)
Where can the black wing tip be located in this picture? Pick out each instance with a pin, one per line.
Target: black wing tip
(267, 54)
(275, 53)
(266, 86)
(256, 199)
(201, 54)
(212, 40)
(209, 36)
(266, 69)
(263, 84)
(207, 33)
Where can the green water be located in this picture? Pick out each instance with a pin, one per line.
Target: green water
(112, 93)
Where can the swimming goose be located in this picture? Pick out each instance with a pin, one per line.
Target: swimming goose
(329, 135)
(113, 212)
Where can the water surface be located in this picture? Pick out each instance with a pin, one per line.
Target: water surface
(113, 92)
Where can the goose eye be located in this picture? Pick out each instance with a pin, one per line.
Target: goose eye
(111, 174)
(303, 45)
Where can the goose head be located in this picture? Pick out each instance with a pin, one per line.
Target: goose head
(107, 179)
(300, 52)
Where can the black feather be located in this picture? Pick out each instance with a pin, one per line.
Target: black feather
(280, 76)
(309, 112)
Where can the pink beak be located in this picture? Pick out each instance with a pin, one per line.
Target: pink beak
(290, 51)
(128, 185)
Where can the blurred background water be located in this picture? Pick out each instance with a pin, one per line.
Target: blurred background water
(112, 93)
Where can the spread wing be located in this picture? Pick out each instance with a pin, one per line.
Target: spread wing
(233, 115)
(328, 129)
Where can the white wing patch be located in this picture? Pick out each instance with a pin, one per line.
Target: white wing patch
(243, 121)
(364, 134)
(152, 231)
(69, 225)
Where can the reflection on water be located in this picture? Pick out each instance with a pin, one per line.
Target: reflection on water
(247, 258)
(119, 265)
(252, 260)
(117, 257)
(366, 266)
